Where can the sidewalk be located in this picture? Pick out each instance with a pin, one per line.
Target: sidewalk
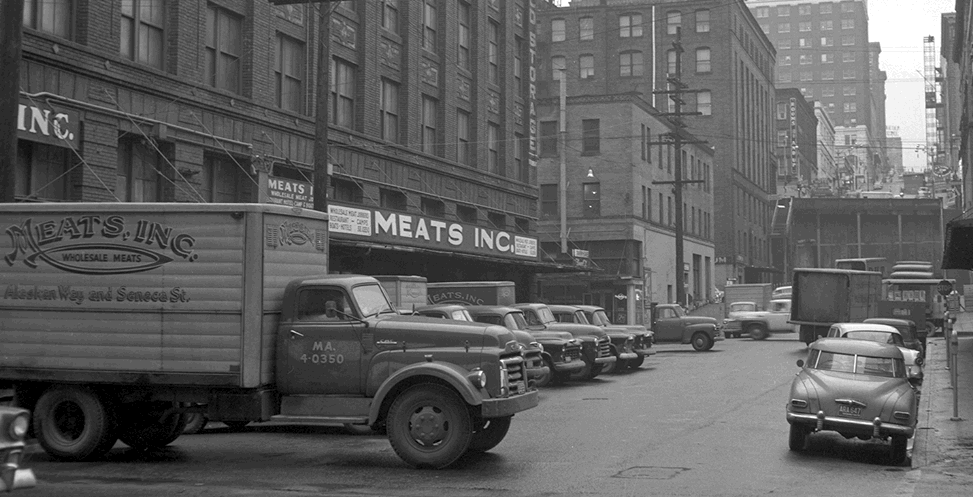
(943, 447)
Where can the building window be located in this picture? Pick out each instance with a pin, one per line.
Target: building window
(704, 103)
(221, 179)
(548, 194)
(342, 93)
(825, 8)
(702, 21)
(346, 191)
(807, 76)
(493, 54)
(224, 45)
(781, 111)
(804, 10)
(136, 175)
(850, 107)
(847, 7)
(765, 28)
(762, 12)
(586, 26)
(783, 11)
(467, 214)
(630, 64)
(428, 137)
(847, 24)
(847, 41)
(392, 199)
(557, 67)
(805, 59)
(630, 25)
(827, 58)
(520, 172)
(288, 74)
(848, 56)
(671, 61)
(784, 27)
(848, 91)
(557, 30)
(673, 21)
(781, 138)
(54, 17)
(586, 64)
(703, 60)
(141, 33)
(848, 74)
(804, 26)
(804, 42)
(827, 75)
(390, 15)
(592, 199)
(827, 91)
(784, 77)
(493, 147)
(785, 60)
(518, 62)
(548, 138)
(522, 225)
(389, 111)
(590, 136)
(463, 41)
(784, 44)
(827, 41)
(497, 220)
(429, 26)
(433, 207)
(827, 25)
(463, 148)
(669, 213)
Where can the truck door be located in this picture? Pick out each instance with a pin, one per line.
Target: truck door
(323, 354)
(668, 326)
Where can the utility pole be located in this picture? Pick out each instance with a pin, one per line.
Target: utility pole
(676, 89)
(562, 189)
(322, 179)
(11, 41)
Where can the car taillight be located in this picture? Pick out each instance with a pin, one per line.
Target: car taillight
(902, 415)
(799, 403)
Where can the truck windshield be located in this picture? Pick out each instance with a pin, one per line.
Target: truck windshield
(515, 321)
(372, 300)
(545, 316)
(580, 318)
(599, 318)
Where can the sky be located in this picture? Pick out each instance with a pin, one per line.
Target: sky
(900, 26)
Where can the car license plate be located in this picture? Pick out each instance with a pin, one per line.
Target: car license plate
(851, 411)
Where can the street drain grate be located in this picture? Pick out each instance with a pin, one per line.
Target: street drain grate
(650, 473)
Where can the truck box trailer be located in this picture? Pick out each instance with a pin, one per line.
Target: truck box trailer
(822, 297)
(758, 293)
(133, 315)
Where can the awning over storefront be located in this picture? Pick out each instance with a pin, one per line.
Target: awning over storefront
(958, 250)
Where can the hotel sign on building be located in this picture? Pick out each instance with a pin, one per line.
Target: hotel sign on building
(387, 227)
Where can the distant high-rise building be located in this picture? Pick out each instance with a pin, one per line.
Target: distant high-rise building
(893, 147)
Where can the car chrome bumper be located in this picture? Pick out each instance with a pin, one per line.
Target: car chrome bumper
(875, 428)
(497, 408)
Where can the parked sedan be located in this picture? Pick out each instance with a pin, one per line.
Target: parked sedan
(908, 329)
(13, 430)
(883, 334)
(857, 388)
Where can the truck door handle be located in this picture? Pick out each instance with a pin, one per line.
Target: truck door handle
(295, 334)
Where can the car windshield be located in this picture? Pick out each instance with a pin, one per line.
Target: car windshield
(743, 307)
(372, 300)
(875, 336)
(856, 364)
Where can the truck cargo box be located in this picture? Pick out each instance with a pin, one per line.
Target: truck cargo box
(758, 293)
(406, 292)
(156, 293)
(827, 296)
(472, 293)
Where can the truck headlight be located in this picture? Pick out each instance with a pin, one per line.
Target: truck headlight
(478, 378)
(18, 427)
(538, 345)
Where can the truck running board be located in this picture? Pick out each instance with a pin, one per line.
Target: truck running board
(310, 420)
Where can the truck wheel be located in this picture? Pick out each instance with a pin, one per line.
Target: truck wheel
(195, 423)
(897, 450)
(636, 363)
(702, 342)
(582, 374)
(595, 371)
(146, 427)
(74, 423)
(487, 433)
(545, 379)
(757, 332)
(612, 366)
(798, 438)
(429, 426)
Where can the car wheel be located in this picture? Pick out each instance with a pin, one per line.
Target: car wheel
(798, 438)
(757, 332)
(702, 342)
(897, 450)
(637, 362)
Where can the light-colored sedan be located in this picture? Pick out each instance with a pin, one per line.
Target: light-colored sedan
(884, 334)
(857, 388)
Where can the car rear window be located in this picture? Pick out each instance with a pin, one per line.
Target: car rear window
(875, 336)
(857, 364)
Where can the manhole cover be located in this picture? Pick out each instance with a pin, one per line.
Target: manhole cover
(650, 472)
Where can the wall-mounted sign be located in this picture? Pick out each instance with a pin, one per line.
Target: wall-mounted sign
(39, 122)
(290, 192)
(580, 253)
(380, 226)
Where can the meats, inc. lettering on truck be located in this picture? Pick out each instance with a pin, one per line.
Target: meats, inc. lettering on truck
(129, 317)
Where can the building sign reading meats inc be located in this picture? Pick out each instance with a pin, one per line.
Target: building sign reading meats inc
(290, 192)
(36, 122)
(406, 229)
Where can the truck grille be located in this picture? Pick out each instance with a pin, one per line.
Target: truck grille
(516, 375)
(604, 347)
(533, 359)
(572, 352)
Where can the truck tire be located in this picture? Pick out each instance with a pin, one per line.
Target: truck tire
(595, 371)
(798, 438)
(583, 373)
(702, 342)
(757, 331)
(74, 423)
(545, 380)
(637, 362)
(144, 427)
(195, 423)
(487, 433)
(898, 450)
(612, 366)
(430, 426)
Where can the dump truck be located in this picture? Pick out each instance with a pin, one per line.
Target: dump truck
(823, 297)
(118, 319)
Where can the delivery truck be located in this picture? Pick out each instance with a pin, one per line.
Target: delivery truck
(758, 293)
(823, 297)
(117, 319)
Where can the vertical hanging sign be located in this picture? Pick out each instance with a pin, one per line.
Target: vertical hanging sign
(532, 78)
(794, 137)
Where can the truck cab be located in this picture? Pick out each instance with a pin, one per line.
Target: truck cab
(622, 342)
(643, 337)
(671, 324)
(595, 344)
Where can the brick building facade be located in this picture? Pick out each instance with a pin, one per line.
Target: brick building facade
(796, 144)
(214, 102)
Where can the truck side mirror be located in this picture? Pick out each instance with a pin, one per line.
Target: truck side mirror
(330, 309)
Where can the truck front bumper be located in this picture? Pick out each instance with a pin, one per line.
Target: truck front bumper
(645, 352)
(605, 360)
(627, 356)
(569, 367)
(498, 408)
(533, 373)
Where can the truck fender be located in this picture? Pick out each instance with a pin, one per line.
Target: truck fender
(709, 329)
(451, 374)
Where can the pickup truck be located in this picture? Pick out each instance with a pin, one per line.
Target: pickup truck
(622, 342)
(560, 350)
(760, 324)
(120, 318)
(643, 337)
(595, 344)
(538, 374)
(671, 324)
